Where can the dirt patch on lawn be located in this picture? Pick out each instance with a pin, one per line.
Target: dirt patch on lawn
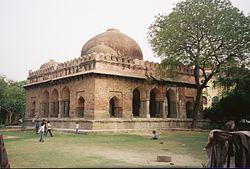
(147, 159)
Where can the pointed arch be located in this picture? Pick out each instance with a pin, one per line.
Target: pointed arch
(45, 104)
(154, 104)
(65, 101)
(136, 103)
(172, 103)
(54, 103)
(114, 107)
(80, 107)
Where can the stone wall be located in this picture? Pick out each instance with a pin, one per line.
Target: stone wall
(120, 124)
(107, 87)
(80, 87)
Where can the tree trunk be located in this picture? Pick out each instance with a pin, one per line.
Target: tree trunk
(10, 118)
(196, 107)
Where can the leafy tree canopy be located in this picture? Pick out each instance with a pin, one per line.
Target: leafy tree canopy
(204, 34)
(12, 97)
(235, 103)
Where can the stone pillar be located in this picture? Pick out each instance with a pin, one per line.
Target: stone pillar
(67, 109)
(60, 114)
(166, 108)
(177, 104)
(51, 109)
(147, 111)
(56, 108)
(162, 109)
(145, 108)
(141, 109)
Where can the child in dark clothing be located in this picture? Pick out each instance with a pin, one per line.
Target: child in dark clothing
(37, 127)
(155, 137)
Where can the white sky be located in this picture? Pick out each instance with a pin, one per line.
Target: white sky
(34, 31)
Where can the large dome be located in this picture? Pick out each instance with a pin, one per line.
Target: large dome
(114, 42)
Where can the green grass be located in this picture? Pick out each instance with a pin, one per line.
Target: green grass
(99, 150)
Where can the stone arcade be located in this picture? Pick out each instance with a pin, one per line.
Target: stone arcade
(109, 86)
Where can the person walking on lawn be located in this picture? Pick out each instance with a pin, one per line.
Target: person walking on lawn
(49, 128)
(41, 131)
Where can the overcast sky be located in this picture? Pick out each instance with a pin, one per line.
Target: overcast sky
(32, 31)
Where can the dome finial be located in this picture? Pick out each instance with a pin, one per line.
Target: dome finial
(112, 29)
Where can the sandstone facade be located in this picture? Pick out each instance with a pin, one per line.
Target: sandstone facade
(104, 89)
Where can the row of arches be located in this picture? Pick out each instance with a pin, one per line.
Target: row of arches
(155, 105)
(50, 104)
(155, 102)
(158, 107)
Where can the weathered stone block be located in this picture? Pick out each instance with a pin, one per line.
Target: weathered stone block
(163, 158)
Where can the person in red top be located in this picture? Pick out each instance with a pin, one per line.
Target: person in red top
(4, 163)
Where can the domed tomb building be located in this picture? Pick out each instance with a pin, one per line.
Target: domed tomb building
(110, 86)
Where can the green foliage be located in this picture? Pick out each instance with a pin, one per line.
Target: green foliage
(213, 125)
(235, 104)
(2, 126)
(234, 77)
(3, 85)
(201, 32)
(12, 97)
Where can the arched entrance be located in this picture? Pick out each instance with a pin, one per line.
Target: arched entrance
(45, 104)
(154, 105)
(80, 107)
(65, 101)
(189, 109)
(114, 107)
(54, 103)
(171, 102)
(136, 103)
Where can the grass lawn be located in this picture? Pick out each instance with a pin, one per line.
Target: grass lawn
(104, 150)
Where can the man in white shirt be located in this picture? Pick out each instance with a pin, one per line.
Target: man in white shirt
(41, 132)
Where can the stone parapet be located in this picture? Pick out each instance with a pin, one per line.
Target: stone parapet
(91, 61)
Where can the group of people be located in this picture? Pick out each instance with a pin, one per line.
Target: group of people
(43, 129)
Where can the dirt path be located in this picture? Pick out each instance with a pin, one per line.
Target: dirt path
(146, 159)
